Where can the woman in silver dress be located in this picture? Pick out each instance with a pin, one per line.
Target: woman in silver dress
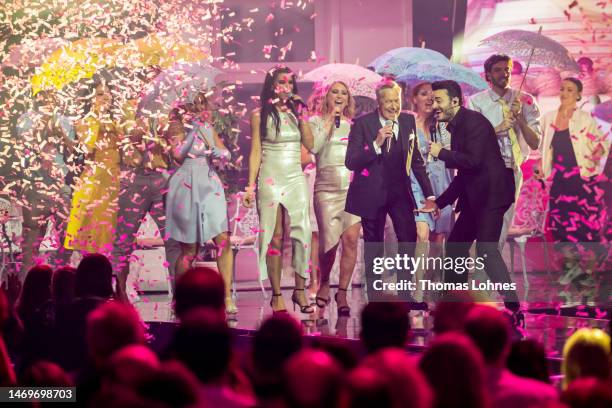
(330, 129)
(196, 209)
(278, 131)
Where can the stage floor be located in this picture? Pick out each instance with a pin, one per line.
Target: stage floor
(551, 327)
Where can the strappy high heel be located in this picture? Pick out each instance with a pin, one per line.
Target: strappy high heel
(230, 306)
(342, 310)
(307, 309)
(322, 302)
(271, 300)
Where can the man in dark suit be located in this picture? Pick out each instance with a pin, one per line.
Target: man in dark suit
(382, 151)
(483, 186)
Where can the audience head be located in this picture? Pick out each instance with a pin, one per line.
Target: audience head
(498, 68)
(448, 99)
(35, 291)
(389, 98)
(45, 374)
(404, 383)
(173, 385)
(131, 366)
(527, 358)
(203, 343)
(111, 326)
(63, 284)
(199, 287)
(455, 370)
(366, 388)
(278, 338)
(341, 351)
(490, 332)
(450, 313)
(586, 354)
(94, 277)
(384, 324)
(312, 379)
(588, 393)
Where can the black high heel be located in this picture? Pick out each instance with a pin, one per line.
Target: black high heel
(342, 310)
(307, 309)
(271, 300)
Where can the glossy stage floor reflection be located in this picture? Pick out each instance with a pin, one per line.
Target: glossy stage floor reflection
(552, 330)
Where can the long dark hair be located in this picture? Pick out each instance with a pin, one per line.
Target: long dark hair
(268, 94)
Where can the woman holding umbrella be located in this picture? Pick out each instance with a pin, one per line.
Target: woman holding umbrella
(330, 128)
(93, 215)
(278, 130)
(196, 209)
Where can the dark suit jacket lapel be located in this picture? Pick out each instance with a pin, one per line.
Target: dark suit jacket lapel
(374, 125)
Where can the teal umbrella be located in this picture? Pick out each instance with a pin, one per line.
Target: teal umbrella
(398, 60)
(433, 71)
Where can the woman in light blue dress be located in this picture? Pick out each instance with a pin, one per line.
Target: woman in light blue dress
(196, 209)
(429, 229)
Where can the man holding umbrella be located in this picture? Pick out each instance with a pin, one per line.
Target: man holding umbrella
(516, 118)
(145, 162)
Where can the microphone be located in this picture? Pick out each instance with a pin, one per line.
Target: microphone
(290, 99)
(433, 132)
(337, 116)
(389, 123)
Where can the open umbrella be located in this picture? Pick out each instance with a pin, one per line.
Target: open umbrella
(177, 85)
(160, 50)
(396, 61)
(78, 60)
(519, 44)
(603, 111)
(361, 81)
(32, 53)
(432, 71)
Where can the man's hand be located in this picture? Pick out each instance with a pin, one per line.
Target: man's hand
(383, 134)
(516, 107)
(248, 199)
(430, 207)
(507, 123)
(434, 148)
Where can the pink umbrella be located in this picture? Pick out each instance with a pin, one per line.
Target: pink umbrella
(361, 81)
(32, 53)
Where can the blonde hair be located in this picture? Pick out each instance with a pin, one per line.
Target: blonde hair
(318, 101)
(582, 342)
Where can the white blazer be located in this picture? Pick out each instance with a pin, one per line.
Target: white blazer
(585, 133)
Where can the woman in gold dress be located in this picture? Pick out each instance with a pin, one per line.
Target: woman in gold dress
(277, 133)
(330, 129)
(93, 216)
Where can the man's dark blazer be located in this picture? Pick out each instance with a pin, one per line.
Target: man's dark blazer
(482, 179)
(367, 192)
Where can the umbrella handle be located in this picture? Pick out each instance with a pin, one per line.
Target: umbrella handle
(528, 65)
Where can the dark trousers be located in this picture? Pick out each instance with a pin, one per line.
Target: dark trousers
(485, 228)
(141, 194)
(399, 207)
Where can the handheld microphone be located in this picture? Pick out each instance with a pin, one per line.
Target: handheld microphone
(389, 123)
(433, 131)
(290, 99)
(337, 117)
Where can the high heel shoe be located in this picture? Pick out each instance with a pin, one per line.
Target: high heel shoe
(307, 309)
(271, 300)
(342, 310)
(230, 306)
(322, 302)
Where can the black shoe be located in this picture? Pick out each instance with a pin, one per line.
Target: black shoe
(307, 309)
(277, 311)
(342, 310)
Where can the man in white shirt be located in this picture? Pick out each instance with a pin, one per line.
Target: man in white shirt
(516, 119)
